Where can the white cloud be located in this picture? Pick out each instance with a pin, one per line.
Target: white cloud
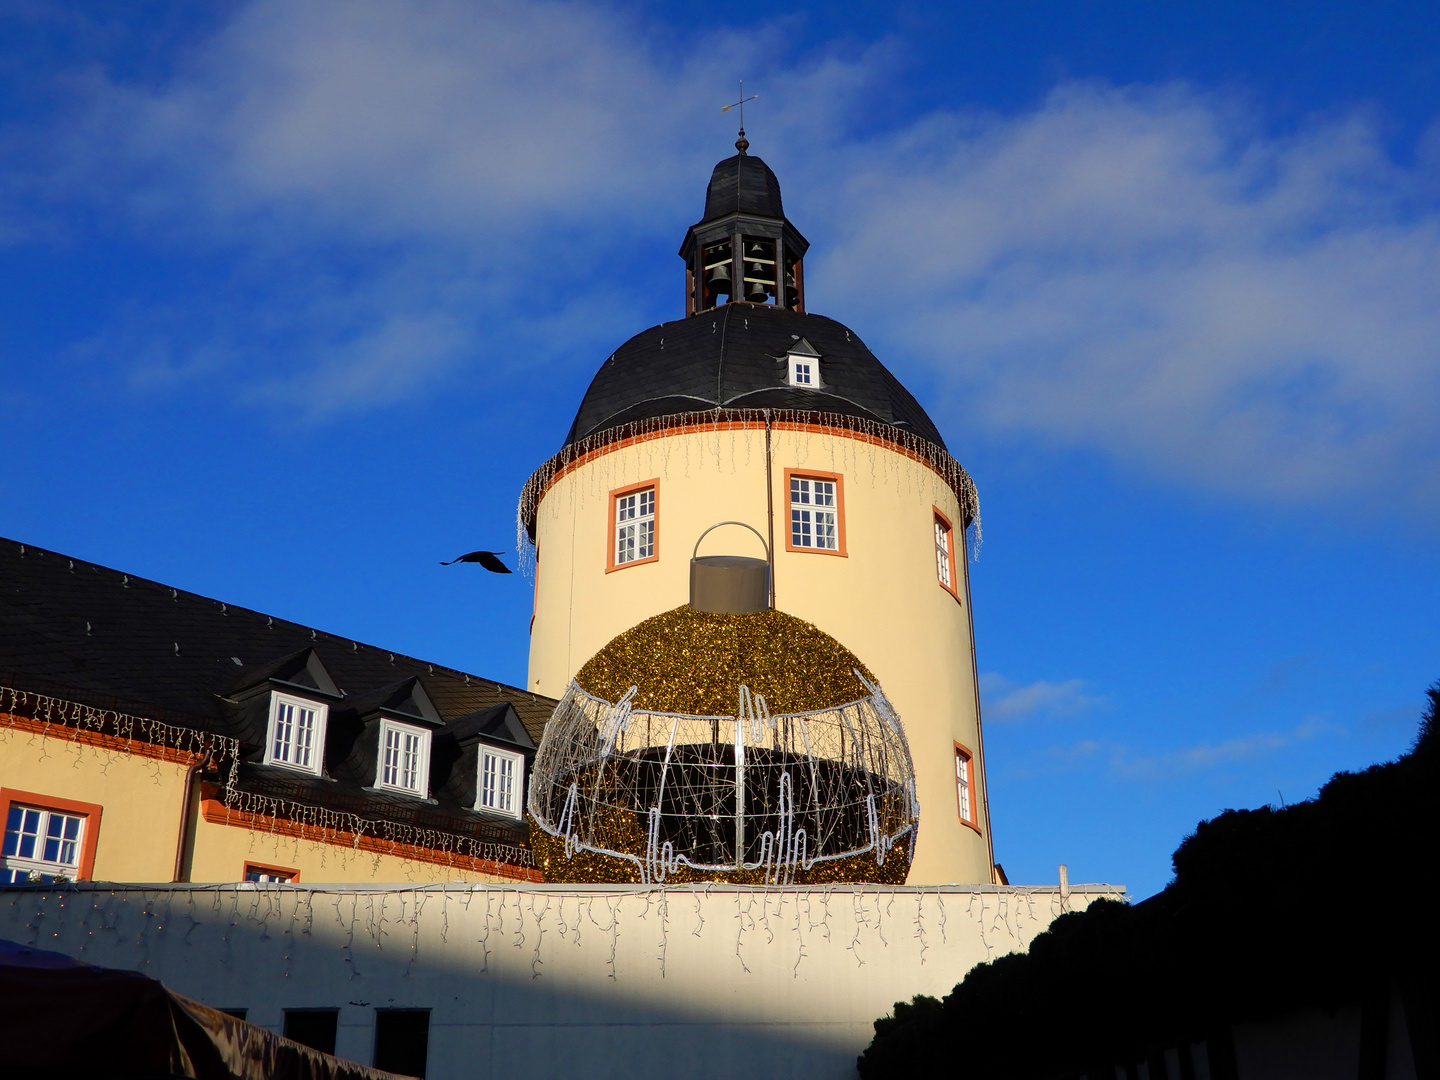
(1210, 755)
(399, 186)
(1145, 272)
(1004, 700)
(1123, 762)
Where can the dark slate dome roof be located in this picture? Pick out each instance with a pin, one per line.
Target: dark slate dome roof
(745, 185)
(733, 357)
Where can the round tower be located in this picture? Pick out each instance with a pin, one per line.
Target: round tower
(752, 410)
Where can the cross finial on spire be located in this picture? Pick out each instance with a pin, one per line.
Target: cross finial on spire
(742, 144)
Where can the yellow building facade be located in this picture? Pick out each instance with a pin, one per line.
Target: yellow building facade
(145, 813)
(152, 735)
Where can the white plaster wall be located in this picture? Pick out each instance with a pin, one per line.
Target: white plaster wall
(588, 983)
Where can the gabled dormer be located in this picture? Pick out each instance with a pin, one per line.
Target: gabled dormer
(294, 696)
(482, 761)
(382, 738)
(802, 365)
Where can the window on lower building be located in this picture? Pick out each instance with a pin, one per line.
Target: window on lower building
(501, 781)
(314, 1028)
(276, 874)
(944, 552)
(816, 522)
(634, 532)
(402, 1040)
(46, 839)
(964, 785)
(238, 1014)
(41, 845)
(296, 737)
(404, 759)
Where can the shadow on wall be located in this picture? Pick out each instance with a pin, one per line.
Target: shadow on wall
(555, 981)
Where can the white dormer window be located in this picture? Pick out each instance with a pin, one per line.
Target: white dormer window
(296, 735)
(803, 365)
(502, 776)
(404, 758)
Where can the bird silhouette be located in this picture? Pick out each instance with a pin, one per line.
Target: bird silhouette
(486, 559)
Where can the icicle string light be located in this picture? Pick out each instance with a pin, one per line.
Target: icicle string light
(854, 433)
(111, 732)
(774, 797)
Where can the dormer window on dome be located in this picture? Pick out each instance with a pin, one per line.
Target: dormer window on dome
(802, 366)
(744, 249)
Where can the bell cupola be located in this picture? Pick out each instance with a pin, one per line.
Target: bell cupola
(743, 250)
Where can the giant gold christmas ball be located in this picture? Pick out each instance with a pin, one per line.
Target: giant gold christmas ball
(746, 748)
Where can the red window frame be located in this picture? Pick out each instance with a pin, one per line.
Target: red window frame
(615, 496)
(954, 587)
(962, 753)
(85, 869)
(839, 481)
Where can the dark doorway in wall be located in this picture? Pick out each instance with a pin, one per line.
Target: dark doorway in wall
(402, 1040)
(313, 1027)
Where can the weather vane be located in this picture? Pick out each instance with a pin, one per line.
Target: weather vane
(742, 144)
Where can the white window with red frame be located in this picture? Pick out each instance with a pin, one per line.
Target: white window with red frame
(965, 786)
(41, 845)
(634, 526)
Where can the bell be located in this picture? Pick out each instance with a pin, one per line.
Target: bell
(757, 293)
(719, 279)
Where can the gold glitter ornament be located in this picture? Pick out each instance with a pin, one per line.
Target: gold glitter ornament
(753, 749)
(692, 662)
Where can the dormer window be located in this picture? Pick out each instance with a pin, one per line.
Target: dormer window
(803, 365)
(502, 776)
(404, 758)
(296, 734)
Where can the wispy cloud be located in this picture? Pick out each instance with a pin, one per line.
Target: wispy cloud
(1210, 755)
(1149, 272)
(1146, 271)
(1004, 700)
(1124, 762)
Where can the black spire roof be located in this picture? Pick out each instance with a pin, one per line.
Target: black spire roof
(734, 357)
(745, 185)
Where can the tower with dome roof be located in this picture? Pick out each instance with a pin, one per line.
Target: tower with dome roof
(752, 411)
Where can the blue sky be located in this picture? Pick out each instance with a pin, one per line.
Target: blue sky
(296, 294)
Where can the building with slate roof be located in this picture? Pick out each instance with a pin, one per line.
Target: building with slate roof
(752, 410)
(150, 734)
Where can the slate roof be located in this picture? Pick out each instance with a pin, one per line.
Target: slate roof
(733, 357)
(745, 185)
(87, 633)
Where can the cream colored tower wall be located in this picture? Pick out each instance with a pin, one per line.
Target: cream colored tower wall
(882, 599)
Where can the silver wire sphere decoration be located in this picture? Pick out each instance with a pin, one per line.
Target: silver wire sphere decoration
(726, 795)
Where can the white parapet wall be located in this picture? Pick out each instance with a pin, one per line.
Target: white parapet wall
(567, 981)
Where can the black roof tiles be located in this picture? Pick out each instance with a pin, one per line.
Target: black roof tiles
(733, 357)
(86, 633)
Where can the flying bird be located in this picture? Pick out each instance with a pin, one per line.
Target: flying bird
(486, 559)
